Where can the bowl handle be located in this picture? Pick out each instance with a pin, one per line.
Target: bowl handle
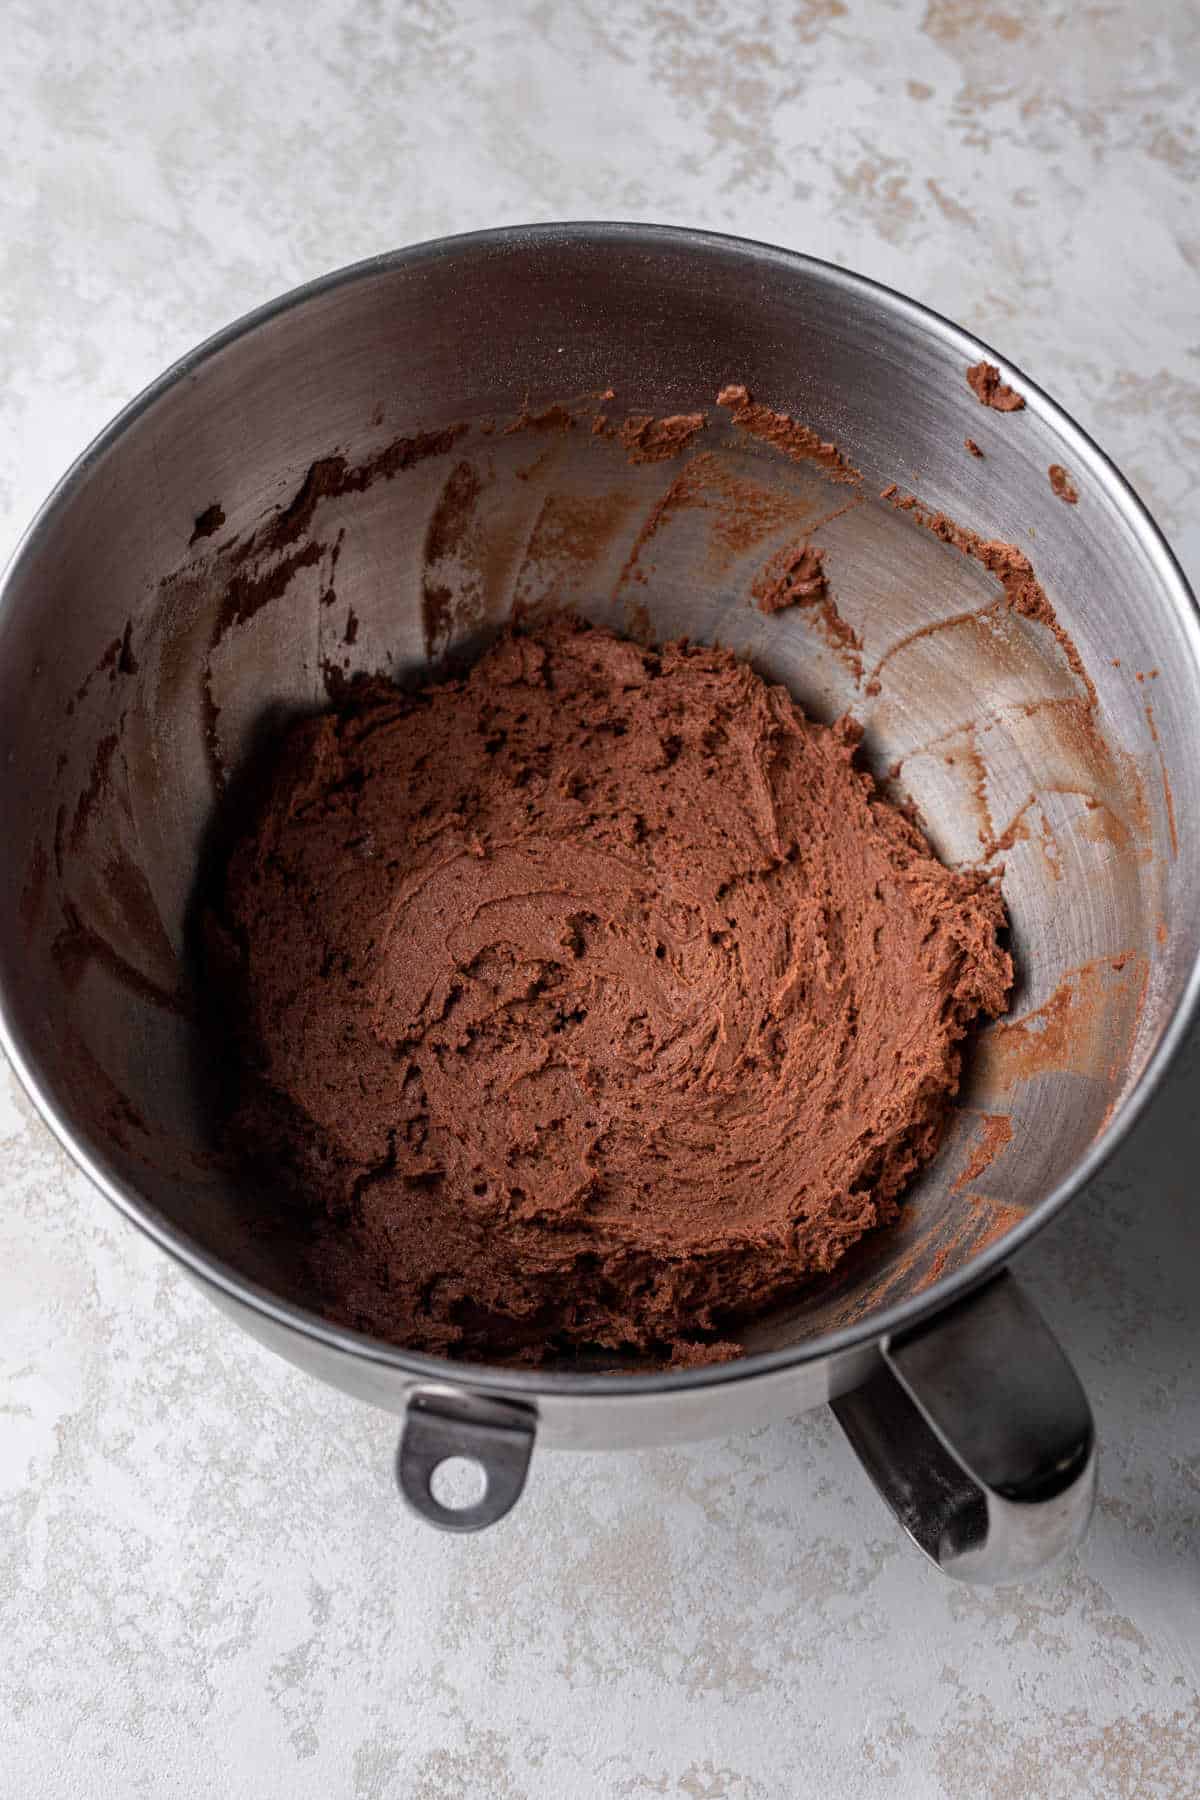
(441, 1424)
(977, 1433)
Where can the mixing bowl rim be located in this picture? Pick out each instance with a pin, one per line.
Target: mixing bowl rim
(1084, 454)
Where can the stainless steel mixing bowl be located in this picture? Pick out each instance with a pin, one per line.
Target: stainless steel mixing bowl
(194, 578)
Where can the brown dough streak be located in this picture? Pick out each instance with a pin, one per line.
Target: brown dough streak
(996, 1135)
(785, 434)
(648, 440)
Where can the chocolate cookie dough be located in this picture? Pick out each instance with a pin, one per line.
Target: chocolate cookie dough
(595, 1001)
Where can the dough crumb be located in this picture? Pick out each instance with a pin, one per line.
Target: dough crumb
(1062, 484)
(989, 390)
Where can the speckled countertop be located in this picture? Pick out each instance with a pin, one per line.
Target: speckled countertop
(207, 1585)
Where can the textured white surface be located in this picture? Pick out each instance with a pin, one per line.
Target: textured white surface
(207, 1585)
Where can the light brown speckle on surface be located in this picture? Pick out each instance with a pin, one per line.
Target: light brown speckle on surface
(207, 1582)
(995, 1135)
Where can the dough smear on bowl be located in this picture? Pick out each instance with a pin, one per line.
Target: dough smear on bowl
(596, 1001)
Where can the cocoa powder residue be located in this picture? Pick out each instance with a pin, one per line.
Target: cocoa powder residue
(1168, 796)
(453, 512)
(741, 512)
(995, 1135)
(97, 783)
(266, 561)
(1073, 1026)
(1023, 592)
(999, 1219)
(78, 945)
